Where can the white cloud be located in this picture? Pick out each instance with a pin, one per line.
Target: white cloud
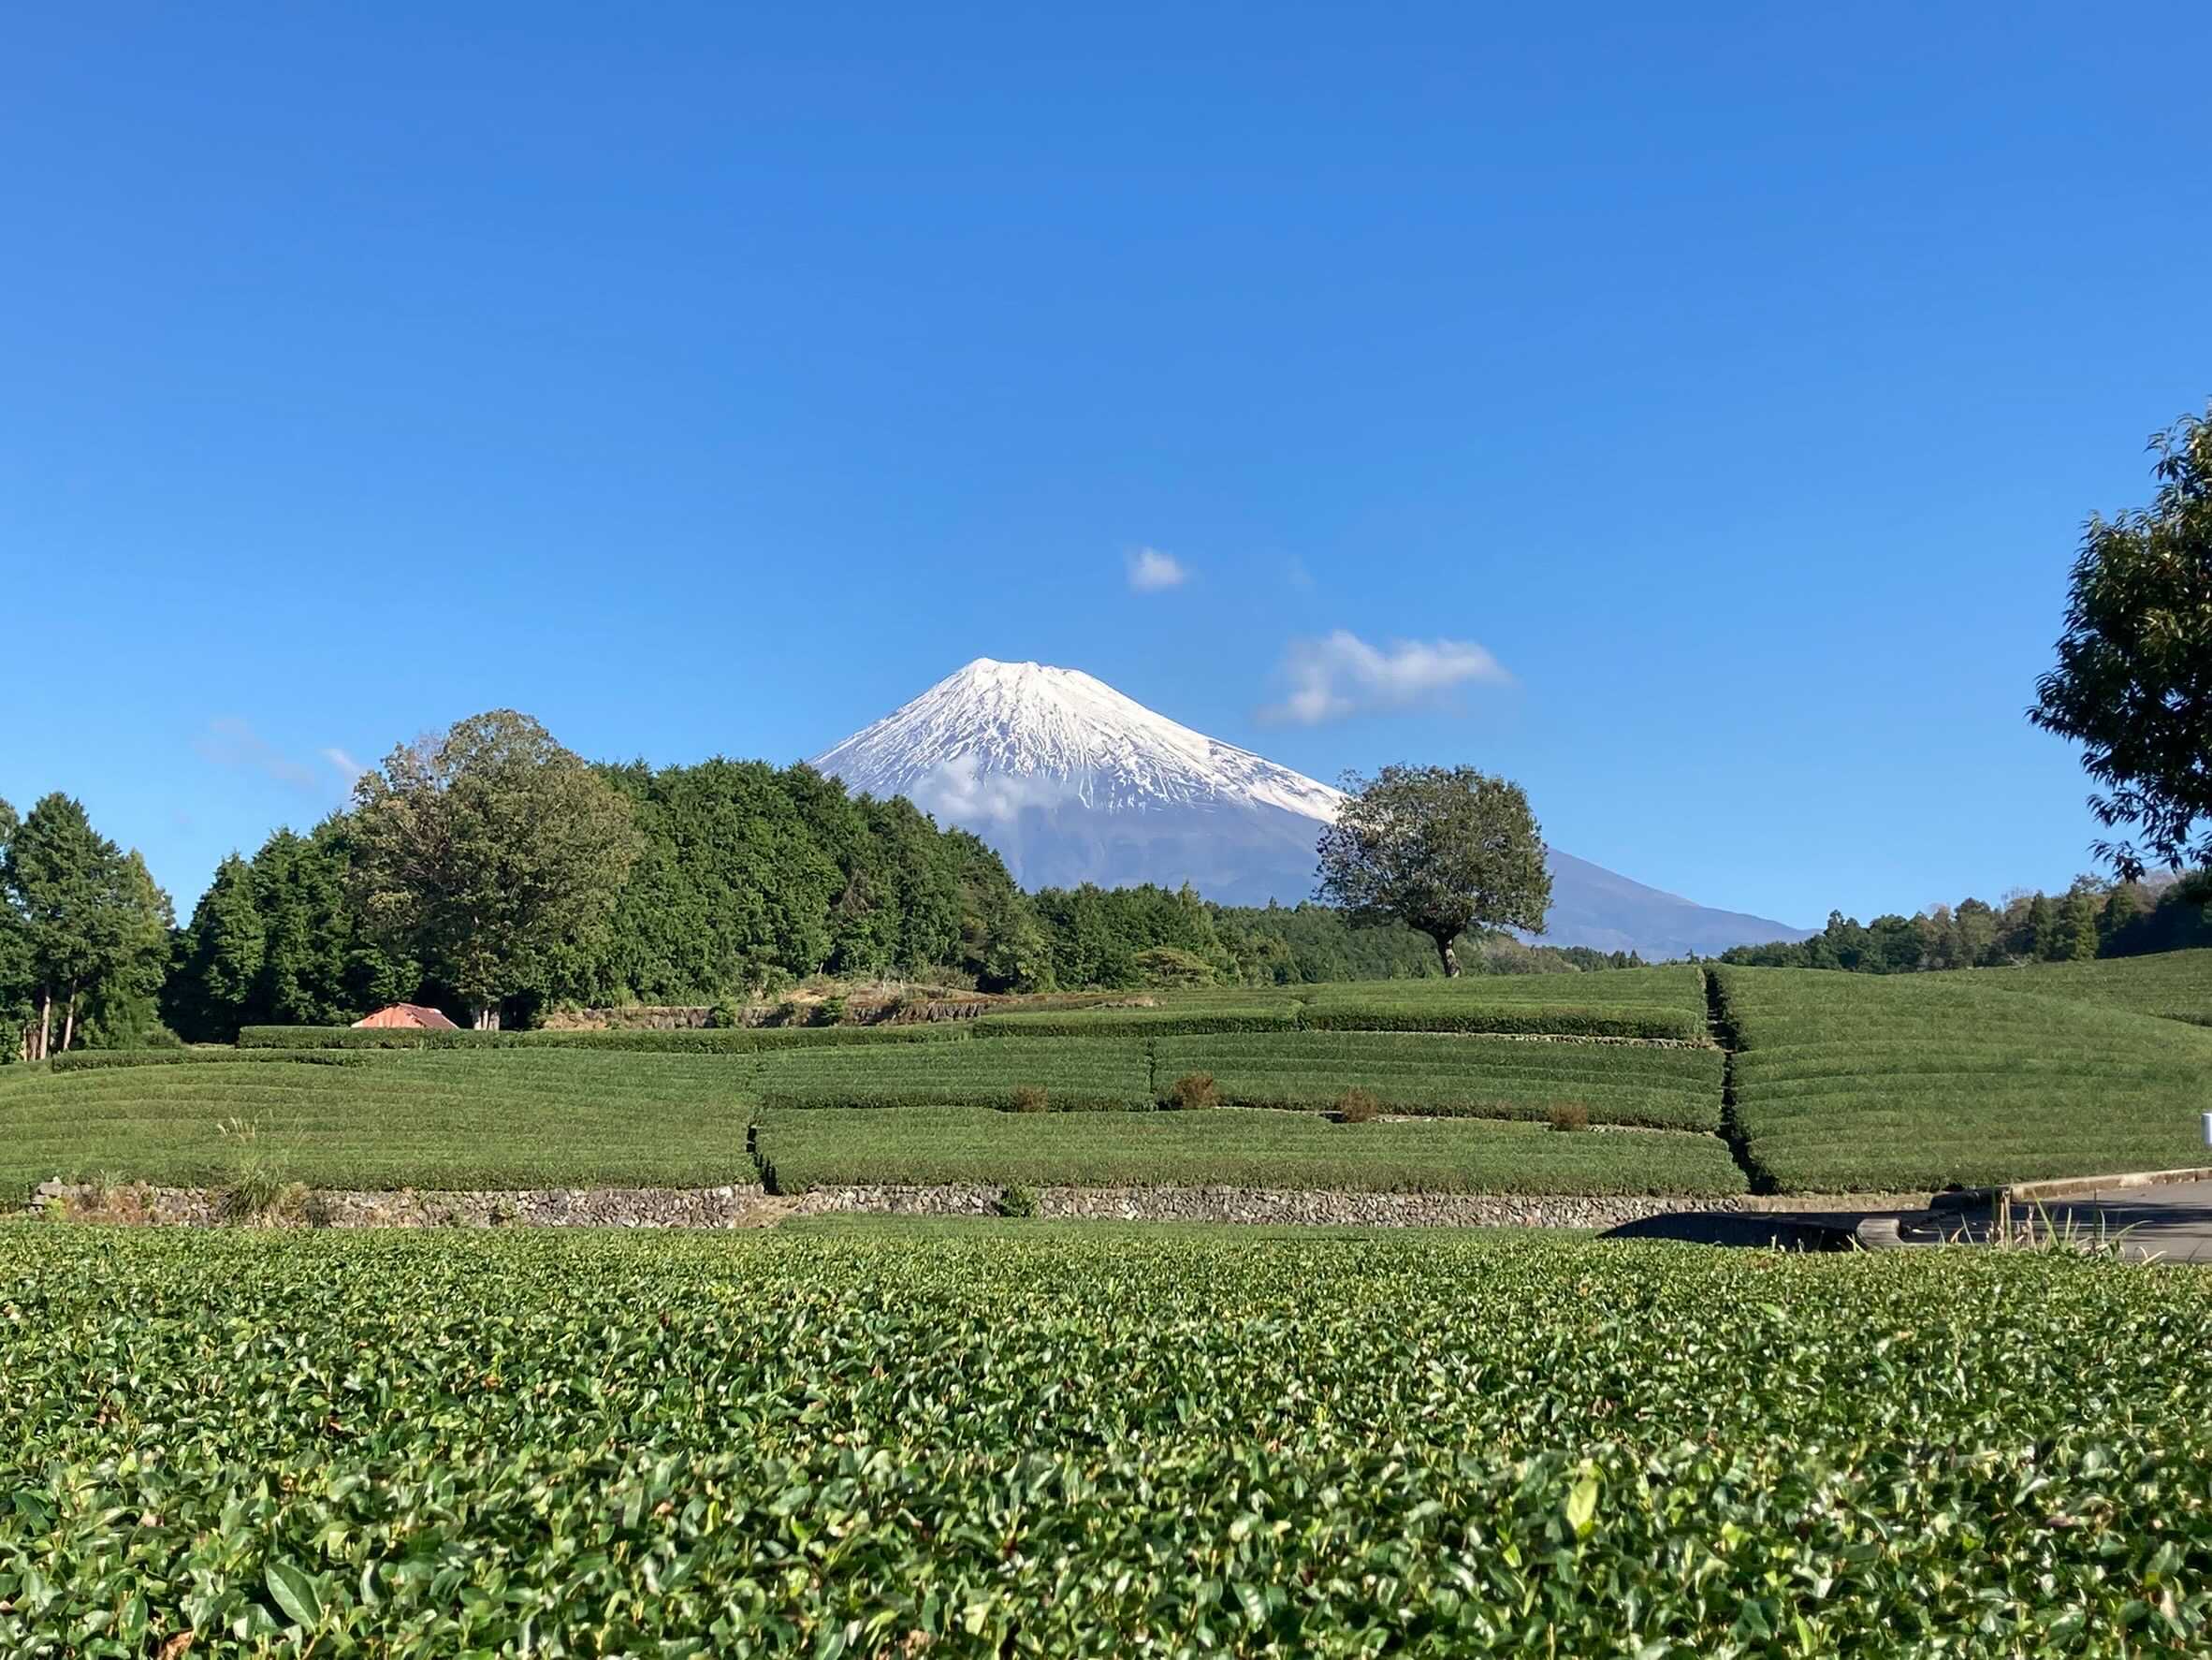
(233, 743)
(955, 794)
(1154, 572)
(1340, 675)
(230, 742)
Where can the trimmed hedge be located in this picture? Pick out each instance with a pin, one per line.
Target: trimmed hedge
(1077, 1074)
(1459, 1075)
(494, 1119)
(696, 1040)
(1134, 1023)
(96, 1060)
(998, 1101)
(1519, 1022)
(1277, 1151)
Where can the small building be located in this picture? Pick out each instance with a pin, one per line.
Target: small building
(414, 1015)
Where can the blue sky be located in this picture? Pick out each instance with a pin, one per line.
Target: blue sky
(1715, 396)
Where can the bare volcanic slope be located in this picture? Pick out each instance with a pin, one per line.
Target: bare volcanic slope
(1073, 782)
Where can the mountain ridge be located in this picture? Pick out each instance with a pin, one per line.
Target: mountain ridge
(1072, 782)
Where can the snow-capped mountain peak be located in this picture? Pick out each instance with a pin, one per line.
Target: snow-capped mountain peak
(1072, 782)
(994, 739)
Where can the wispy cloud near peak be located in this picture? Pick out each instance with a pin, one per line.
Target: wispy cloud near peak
(1154, 572)
(1340, 675)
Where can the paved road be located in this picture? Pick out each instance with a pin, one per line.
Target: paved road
(2165, 1224)
(2170, 1224)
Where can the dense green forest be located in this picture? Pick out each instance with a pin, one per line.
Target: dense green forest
(2092, 919)
(747, 879)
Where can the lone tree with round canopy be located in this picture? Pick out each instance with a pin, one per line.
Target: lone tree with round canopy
(1440, 849)
(488, 851)
(2133, 682)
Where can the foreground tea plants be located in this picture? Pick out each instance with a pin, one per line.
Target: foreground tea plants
(1028, 1441)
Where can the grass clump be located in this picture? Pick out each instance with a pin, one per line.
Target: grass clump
(1357, 1106)
(1568, 1116)
(1193, 1092)
(1017, 1200)
(1031, 1098)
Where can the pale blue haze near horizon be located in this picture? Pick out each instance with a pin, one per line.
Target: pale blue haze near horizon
(705, 379)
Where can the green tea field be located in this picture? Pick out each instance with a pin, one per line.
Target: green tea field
(1000, 1441)
(1232, 1149)
(1853, 1081)
(1692, 1081)
(2174, 984)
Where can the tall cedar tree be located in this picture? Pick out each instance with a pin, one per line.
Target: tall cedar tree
(2133, 683)
(490, 851)
(18, 984)
(1439, 849)
(91, 926)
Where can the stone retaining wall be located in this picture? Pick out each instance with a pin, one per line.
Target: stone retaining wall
(1262, 1206)
(749, 1205)
(735, 1206)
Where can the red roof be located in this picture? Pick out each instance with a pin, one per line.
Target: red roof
(410, 1015)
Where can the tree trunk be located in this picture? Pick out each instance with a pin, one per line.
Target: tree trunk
(487, 1017)
(69, 1022)
(45, 1020)
(1451, 961)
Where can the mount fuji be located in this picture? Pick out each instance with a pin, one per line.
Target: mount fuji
(1073, 782)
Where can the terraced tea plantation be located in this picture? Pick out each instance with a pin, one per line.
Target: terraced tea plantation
(1851, 1081)
(1841, 1084)
(1091, 1442)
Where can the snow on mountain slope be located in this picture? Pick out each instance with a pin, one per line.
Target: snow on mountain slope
(1073, 782)
(1008, 735)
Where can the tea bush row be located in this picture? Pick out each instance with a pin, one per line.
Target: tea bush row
(1471, 1076)
(96, 1060)
(514, 1119)
(694, 1041)
(1075, 1073)
(1303, 1151)
(2173, 984)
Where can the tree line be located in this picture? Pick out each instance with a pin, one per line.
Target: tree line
(491, 872)
(85, 933)
(2093, 918)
